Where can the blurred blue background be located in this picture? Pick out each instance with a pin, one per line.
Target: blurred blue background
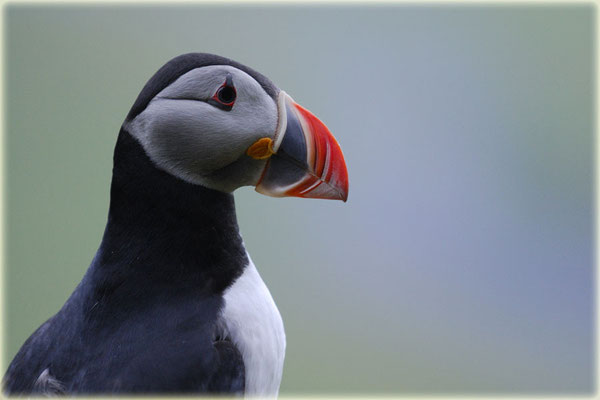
(463, 260)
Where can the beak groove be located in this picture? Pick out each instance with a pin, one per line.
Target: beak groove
(327, 160)
(307, 160)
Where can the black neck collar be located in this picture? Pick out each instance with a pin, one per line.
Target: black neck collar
(164, 232)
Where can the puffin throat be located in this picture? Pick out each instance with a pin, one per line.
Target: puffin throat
(171, 229)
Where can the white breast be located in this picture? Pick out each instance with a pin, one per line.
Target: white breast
(251, 320)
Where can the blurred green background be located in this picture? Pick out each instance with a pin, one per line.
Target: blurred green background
(463, 260)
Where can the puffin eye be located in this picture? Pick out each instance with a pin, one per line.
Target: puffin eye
(225, 96)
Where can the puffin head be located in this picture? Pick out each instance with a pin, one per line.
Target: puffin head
(211, 121)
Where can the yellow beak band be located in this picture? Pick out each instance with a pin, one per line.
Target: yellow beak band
(261, 149)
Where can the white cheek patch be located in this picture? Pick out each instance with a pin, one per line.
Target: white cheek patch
(196, 84)
(192, 139)
(191, 133)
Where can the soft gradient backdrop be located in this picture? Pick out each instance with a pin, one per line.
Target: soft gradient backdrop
(463, 260)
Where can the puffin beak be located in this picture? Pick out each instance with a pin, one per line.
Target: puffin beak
(304, 159)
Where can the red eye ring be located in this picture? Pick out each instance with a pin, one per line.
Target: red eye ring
(225, 95)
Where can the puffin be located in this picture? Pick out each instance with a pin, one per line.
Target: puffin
(172, 302)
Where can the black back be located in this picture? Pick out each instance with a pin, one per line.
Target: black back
(143, 317)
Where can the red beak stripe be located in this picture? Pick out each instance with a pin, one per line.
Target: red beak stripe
(326, 160)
